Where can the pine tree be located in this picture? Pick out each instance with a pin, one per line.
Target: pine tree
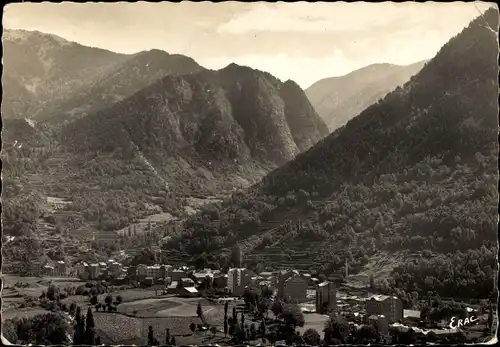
(167, 336)
(226, 307)
(151, 338)
(199, 310)
(90, 333)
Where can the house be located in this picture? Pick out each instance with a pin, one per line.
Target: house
(292, 285)
(187, 282)
(60, 268)
(48, 270)
(237, 280)
(389, 306)
(220, 281)
(177, 274)
(82, 270)
(187, 292)
(94, 271)
(326, 297)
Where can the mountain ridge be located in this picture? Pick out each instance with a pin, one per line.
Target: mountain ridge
(338, 99)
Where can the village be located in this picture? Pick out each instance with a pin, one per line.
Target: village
(160, 293)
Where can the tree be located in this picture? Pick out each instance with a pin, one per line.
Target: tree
(253, 331)
(236, 257)
(93, 300)
(72, 308)
(234, 313)
(192, 327)
(372, 282)
(250, 295)
(242, 320)
(52, 292)
(424, 313)
(151, 338)
(262, 328)
(312, 337)
(226, 307)
(213, 330)
(336, 328)
(90, 333)
(119, 299)
(292, 316)
(199, 310)
(108, 300)
(173, 341)
(167, 336)
(225, 326)
(277, 308)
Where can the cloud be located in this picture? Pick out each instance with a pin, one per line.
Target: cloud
(348, 17)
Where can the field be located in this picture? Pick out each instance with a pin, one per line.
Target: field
(314, 321)
(161, 313)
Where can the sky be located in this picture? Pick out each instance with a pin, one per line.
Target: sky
(301, 41)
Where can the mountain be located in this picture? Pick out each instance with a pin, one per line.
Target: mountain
(121, 81)
(407, 191)
(49, 78)
(339, 99)
(41, 69)
(233, 121)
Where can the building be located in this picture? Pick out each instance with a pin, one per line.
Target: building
(292, 285)
(187, 292)
(187, 282)
(326, 297)
(35, 269)
(237, 280)
(82, 270)
(177, 274)
(94, 271)
(60, 268)
(115, 269)
(389, 306)
(48, 270)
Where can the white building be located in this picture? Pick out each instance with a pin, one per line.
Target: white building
(237, 280)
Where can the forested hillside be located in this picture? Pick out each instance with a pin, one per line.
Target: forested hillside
(413, 175)
(211, 129)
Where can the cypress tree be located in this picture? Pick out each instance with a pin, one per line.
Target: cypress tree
(151, 338)
(90, 333)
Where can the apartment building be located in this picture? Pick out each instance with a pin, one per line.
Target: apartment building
(237, 280)
(292, 286)
(389, 306)
(326, 297)
(94, 271)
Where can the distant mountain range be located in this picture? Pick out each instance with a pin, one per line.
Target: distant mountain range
(47, 77)
(339, 99)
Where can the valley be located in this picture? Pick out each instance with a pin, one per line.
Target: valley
(148, 190)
